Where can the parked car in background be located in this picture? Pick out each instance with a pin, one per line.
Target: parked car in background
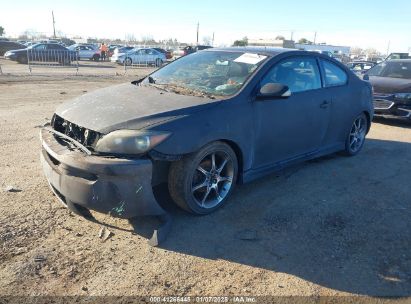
(43, 52)
(360, 67)
(166, 53)
(86, 52)
(391, 81)
(10, 45)
(202, 124)
(398, 56)
(140, 56)
(186, 50)
(111, 49)
(123, 49)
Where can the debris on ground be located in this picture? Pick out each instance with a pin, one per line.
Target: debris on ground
(12, 189)
(105, 234)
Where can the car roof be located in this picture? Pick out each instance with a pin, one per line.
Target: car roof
(268, 51)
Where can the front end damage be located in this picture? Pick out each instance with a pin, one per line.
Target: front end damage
(120, 187)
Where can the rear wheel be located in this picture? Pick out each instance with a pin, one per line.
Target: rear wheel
(356, 138)
(96, 57)
(128, 61)
(201, 182)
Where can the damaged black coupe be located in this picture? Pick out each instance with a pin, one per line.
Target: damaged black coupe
(202, 124)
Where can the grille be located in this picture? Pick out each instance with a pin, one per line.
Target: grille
(382, 104)
(84, 136)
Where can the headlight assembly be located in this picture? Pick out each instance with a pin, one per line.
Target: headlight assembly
(404, 96)
(130, 141)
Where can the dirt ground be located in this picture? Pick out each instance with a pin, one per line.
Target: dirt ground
(334, 226)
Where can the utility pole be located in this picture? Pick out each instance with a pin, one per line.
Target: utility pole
(388, 47)
(292, 35)
(54, 25)
(315, 37)
(212, 41)
(198, 29)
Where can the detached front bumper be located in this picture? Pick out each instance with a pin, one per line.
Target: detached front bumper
(119, 187)
(388, 106)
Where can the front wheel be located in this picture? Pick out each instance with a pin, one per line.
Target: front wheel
(128, 61)
(201, 182)
(356, 138)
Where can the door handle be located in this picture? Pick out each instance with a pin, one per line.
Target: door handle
(324, 104)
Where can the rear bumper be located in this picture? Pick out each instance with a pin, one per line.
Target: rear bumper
(118, 187)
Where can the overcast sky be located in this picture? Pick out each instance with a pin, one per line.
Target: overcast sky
(367, 24)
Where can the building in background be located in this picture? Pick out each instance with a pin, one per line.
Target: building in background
(334, 49)
(289, 44)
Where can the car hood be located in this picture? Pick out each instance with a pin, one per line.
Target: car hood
(388, 85)
(129, 106)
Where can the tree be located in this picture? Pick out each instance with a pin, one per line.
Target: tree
(207, 40)
(279, 38)
(356, 51)
(242, 42)
(304, 41)
(2, 32)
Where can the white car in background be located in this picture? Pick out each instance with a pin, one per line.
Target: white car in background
(86, 52)
(140, 56)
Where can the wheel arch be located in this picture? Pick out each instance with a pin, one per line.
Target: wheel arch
(368, 116)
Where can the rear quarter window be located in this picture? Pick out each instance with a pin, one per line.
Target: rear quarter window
(333, 74)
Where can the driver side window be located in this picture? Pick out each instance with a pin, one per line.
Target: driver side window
(299, 74)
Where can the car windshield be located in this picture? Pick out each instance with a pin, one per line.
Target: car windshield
(392, 69)
(207, 73)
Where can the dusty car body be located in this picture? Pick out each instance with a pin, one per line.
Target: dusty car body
(391, 81)
(227, 132)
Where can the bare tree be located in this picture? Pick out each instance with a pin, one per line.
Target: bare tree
(279, 37)
(2, 32)
(207, 40)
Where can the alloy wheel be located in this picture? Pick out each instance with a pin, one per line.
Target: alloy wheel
(357, 134)
(212, 179)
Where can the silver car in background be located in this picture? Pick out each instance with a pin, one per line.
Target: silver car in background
(86, 51)
(140, 56)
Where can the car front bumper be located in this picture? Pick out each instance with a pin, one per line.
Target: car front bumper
(118, 187)
(10, 57)
(388, 106)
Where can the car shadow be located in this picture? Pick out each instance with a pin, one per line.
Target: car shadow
(339, 222)
(403, 123)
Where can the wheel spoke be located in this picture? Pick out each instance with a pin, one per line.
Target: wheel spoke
(225, 161)
(202, 170)
(205, 196)
(199, 186)
(225, 178)
(213, 161)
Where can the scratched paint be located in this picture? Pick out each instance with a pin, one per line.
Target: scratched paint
(139, 189)
(119, 209)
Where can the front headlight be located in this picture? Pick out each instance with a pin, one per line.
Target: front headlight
(8, 53)
(130, 141)
(404, 96)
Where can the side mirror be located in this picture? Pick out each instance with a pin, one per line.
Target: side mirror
(366, 77)
(273, 90)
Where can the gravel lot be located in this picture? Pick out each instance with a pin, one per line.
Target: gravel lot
(333, 226)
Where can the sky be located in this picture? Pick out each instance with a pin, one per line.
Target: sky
(362, 23)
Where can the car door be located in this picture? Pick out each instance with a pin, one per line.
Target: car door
(344, 100)
(37, 53)
(292, 127)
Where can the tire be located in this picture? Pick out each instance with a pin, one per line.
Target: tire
(159, 62)
(356, 136)
(128, 61)
(194, 182)
(22, 60)
(96, 57)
